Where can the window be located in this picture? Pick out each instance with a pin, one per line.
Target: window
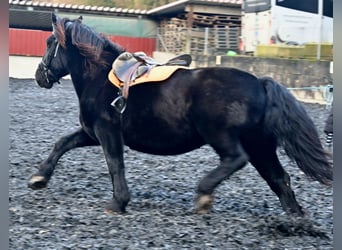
(328, 8)
(301, 5)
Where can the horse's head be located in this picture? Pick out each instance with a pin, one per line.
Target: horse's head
(54, 62)
(75, 49)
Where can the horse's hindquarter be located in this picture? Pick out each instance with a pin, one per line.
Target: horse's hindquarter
(227, 97)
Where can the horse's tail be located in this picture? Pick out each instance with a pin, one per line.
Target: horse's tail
(287, 120)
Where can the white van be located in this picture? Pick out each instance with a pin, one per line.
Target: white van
(285, 21)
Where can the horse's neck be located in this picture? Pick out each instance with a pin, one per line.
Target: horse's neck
(83, 80)
(82, 76)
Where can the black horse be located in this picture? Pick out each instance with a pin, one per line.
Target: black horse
(242, 117)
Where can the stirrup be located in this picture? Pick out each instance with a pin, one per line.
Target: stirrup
(119, 104)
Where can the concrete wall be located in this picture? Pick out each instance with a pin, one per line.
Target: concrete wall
(310, 77)
(24, 67)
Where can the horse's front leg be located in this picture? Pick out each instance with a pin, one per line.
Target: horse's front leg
(77, 139)
(110, 138)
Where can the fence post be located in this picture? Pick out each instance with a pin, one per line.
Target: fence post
(206, 36)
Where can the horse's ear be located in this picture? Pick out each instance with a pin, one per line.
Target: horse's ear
(80, 18)
(54, 18)
(57, 30)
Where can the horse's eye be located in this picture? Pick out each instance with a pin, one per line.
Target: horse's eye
(50, 41)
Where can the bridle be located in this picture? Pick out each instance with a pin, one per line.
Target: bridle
(46, 62)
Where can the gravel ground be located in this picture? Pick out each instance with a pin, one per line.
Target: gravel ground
(69, 214)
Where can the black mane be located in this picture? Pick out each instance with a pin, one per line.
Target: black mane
(96, 48)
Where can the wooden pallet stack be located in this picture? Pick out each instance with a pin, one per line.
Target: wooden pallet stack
(224, 31)
(201, 43)
(173, 33)
(226, 37)
(203, 20)
(231, 21)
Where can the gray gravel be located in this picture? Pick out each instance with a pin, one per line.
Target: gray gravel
(69, 214)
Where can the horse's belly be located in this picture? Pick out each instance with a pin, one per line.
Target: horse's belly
(160, 143)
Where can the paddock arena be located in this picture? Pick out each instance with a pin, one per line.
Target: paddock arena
(69, 213)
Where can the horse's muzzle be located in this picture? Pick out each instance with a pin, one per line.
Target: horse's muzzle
(42, 77)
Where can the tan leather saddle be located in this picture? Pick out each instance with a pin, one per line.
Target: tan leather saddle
(129, 67)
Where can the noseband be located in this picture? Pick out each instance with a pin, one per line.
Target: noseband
(46, 64)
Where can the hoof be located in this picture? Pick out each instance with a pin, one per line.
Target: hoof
(111, 212)
(296, 213)
(37, 182)
(113, 208)
(204, 204)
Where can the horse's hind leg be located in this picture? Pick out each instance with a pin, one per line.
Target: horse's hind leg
(77, 139)
(264, 158)
(232, 158)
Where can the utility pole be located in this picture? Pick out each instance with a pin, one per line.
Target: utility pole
(320, 21)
